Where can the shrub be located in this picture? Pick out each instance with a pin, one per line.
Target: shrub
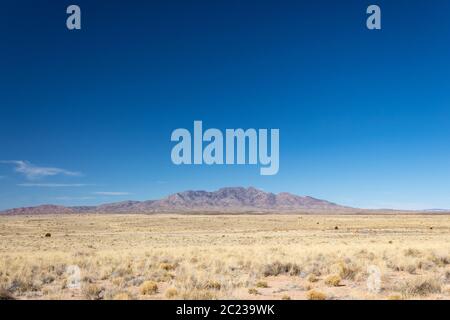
(276, 268)
(167, 266)
(421, 286)
(149, 288)
(348, 270)
(285, 297)
(213, 285)
(312, 278)
(171, 293)
(92, 292)
(198, 294)
(262, 284)
(412, 252)
(316, 295)
(333, 281)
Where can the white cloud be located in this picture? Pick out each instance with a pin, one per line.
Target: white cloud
(33, 172)
(111, 193)
(52, 185)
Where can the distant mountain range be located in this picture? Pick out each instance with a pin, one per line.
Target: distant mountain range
(226, 200)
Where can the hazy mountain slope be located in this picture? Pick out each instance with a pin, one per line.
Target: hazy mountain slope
(236, 199)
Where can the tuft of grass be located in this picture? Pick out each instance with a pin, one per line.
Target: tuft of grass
(285, 297)
(149, 288)
(92, 292)
(171, 293)
(253, 291)
(315, 295)
(214, 285)
(348, 270)
(421, 286)
(198, 294)
(333, 281)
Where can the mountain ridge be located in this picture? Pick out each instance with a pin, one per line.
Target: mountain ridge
(228, 199)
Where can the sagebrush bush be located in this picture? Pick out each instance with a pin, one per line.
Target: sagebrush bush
(262, 284)
(333, 281)
(149, 288)
(276, 268)
(92, 291)
(171, 293)
(315, 295)
(421, 286)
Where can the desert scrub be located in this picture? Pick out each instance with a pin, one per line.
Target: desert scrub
(92, 291)
(198, 294)
(5, 295)
(313, 278)
(348, 270)
(262, 284)
(27, 284)
(171, 293)
(333, 281)
(214, 285)
(253, 291)
(410, 252)
(315, 295)
(167, 266)
(276, 268)
(149, 288)
(421, 286)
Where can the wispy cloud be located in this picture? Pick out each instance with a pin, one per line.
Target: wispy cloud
(111, 193)
(73, 198)
(53, 185)
(33, 172)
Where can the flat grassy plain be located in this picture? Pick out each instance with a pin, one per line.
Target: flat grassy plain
(132, 256)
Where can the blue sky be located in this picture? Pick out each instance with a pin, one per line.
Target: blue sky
(363, 115)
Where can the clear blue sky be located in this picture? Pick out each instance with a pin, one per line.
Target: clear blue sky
(364, 116)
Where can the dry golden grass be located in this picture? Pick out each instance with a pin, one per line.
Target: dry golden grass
(216, 257)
